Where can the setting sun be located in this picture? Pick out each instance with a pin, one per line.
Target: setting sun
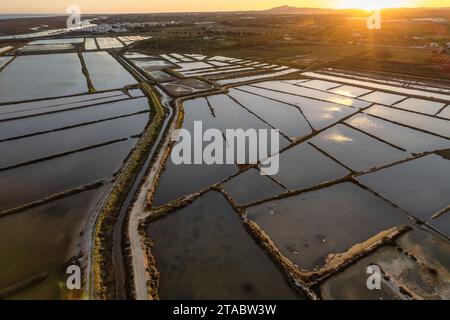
(374, 4)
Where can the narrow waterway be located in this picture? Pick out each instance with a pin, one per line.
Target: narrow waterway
(118, 231)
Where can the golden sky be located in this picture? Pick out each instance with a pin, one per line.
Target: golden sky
(142, 6)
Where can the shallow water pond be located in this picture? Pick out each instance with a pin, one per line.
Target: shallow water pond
(442, 223)
(136, 55)
(351, 284)
(151, 65)
(420, 105)
(257, 77)
(43, 239)
(320, 84)
(251, 186)
(350, 91)
(320, 114)
(304, 166)
(224, 72)
(59, 75)
(312, 93)
(355, 149)
(90, 44)
(426, 123)
(203, 251)
(108, 43)
(160, 76)
(40, 180)
(105, 72)
(48, 47)
(285, 117)
(187, 66)
(36, 147)
(182, 87)
(221, 113)
(419, 186)
(181, 180)
(230, 115)
(430, 249)
(4, 61)
(370, 84)
(323, 114)
(432, 253)
(26, 126)
(383, 98)
(15, 111)
(196, 56)
(303, 227)
(181, 57)
(218, 63)
(409, 139)
(57, 41)
(221, 58)
(209, 70)
(445, 113)
(169, 58)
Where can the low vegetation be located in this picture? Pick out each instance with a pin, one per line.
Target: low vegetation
(104, 282)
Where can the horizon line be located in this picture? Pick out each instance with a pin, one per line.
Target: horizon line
(214, 11)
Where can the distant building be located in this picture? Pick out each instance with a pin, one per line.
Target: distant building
(433, 20)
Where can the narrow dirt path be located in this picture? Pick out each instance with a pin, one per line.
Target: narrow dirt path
(137, 214)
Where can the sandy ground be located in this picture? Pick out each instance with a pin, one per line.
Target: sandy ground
(137, 214)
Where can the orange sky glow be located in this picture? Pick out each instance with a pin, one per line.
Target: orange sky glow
(146, 6)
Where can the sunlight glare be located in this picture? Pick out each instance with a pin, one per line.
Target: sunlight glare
(371, 5)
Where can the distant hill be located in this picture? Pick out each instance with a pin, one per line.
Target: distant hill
(391, 13)
(295, 10)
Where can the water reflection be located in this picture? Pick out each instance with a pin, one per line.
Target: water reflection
(204, 252)
(419, 186)
(355, 149)
(409, 139)
(303, 227)
(105, 72)
(59, 75)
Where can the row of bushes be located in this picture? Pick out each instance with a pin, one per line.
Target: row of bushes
(104, 281)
